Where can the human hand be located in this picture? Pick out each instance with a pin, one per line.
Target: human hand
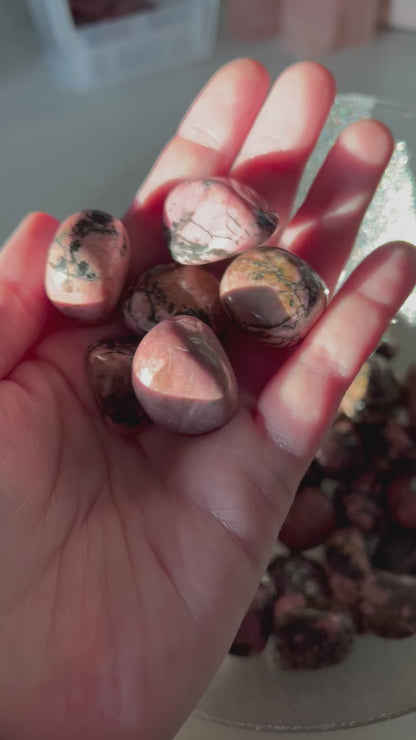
(128, 561)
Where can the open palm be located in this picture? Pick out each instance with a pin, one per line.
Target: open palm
(127, 562)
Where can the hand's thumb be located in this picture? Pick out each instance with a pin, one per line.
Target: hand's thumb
(23, 303)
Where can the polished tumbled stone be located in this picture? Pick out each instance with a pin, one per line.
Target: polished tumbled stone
(273, 294)
(212, 219)
(109, 365)
(310, 638)
(87, 265)
(388, 604)
(183, 378)
(171, 290)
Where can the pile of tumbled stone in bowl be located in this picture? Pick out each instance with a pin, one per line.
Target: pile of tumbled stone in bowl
(174, 370)
(347, 558)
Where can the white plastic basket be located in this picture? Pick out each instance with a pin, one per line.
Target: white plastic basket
(84, 57)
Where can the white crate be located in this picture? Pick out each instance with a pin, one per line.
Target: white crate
(399, 14)
(84, 57)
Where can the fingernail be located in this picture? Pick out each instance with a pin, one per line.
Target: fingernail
(370, 141)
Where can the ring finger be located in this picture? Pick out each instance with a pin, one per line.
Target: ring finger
(324, 229)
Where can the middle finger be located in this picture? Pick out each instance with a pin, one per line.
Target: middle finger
(206, 142)
(324, 228)
(277, 148)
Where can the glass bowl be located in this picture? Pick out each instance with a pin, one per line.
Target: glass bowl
(377, 680)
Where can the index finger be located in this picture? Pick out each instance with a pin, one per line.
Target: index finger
(206, 142)
(284, 134)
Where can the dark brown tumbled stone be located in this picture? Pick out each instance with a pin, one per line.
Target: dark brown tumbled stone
(388, 604)
(347, 565)
(297, 574)
(109, 365)
(361, 503)
(312, 476)
(396, 551)
(309, 638)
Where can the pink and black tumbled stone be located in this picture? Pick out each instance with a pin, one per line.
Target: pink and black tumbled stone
(273, 295)
(348, 566)
(361, 503)
(388, 604)
(298, 574)
(171, 290)
(87, 265)
(211, 219)
(310, 638)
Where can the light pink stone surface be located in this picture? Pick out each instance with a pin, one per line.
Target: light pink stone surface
(183, 378)
(87, 265)
(212, 219)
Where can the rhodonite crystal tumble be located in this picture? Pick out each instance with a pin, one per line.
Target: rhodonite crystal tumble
(300, 575)
(87, 265)
(273, 294)
(388, 604)
(212, 219)
(171, 290)
(347, 566)
(183, 378)
(109, 364)
(309, 638)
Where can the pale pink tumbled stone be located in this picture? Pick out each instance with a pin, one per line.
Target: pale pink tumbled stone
(273, 294)
(87, 265)
(212, 219)
(183, 378)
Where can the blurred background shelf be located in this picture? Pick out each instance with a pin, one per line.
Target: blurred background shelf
(163, 35)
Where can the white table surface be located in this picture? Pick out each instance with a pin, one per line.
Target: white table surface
(63, 151)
